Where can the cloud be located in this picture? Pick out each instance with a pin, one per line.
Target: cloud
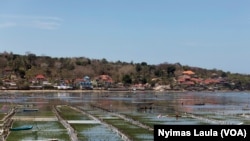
(7, 24)
(46, 24)
(40, 22)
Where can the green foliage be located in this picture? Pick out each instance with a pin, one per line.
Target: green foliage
(144, 80)
(138, 67)
(157, 73)
(144, 64)
(224, 74)
(26, 67)
(170, 70)
(126, 79)
(21, 73)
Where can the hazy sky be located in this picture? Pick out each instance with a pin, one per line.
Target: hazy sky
(203, 33)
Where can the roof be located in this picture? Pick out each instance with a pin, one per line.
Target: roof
(211, 81)
(105, 78)
(40, 76)
(188, 72)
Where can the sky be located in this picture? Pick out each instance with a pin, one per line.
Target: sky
(211, 34)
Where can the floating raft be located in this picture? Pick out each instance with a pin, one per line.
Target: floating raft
(199, 104)
(24, 127)
(30, 110)
(83, 122)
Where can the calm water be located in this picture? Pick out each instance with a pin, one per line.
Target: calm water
(148, 107)
(164, 103)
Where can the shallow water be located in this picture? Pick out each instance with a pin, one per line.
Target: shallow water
(149, 108)
(163, 103)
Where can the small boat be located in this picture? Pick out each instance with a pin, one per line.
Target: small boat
(199, 104)
(30, 110)
(24, 127)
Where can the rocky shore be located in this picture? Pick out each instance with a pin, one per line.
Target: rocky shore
(94, 91)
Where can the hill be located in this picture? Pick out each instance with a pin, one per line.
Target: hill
(22, 70)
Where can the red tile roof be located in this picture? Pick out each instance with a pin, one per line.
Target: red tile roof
(106, 78)
(188, 72)
(211, 81)
(40, 76)
(196, 80)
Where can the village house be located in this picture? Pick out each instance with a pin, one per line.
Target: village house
(86, 83)
(103, 81)
(186, 79)
(38, 82)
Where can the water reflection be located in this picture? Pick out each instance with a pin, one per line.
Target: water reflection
(147, 107)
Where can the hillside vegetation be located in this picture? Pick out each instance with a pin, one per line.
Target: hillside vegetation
(21, 69)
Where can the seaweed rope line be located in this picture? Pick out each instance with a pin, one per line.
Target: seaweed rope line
(70, 130)
(132, 121)
(114, 129)
(35, 123)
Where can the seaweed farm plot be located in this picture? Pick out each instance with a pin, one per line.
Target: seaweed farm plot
(67, 113)
(42, 130)
(217, 114)
(86, 127)
(34, 113)
(132, 130)
(116, 116)
(95, 132)
(161, 119)
(35, 123)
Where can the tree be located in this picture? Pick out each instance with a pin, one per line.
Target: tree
(170, 70)
(144, 80)
(224, 74)
(144, 64)
(104, 61)
(126, 79)
(138, 68)
(31, 57)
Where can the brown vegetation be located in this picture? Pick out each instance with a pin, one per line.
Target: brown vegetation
(21, 69)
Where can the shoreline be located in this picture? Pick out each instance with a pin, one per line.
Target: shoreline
(105, 91)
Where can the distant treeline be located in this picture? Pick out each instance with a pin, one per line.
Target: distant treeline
(25, 67)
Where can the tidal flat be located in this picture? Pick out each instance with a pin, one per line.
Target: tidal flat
(116, 115)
